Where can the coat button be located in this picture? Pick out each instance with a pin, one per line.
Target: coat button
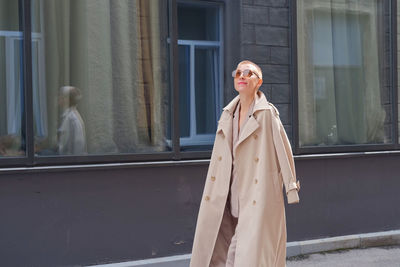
(213, 178)
(255, 136)
(219, 158)
(256, 159)
(254, 202)
(255, 181)
(207, 198)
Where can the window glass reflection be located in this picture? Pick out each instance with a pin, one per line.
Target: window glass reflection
(100, 76)
(12, 133)
(343, 78)
(198, 22)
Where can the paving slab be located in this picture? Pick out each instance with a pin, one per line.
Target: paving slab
(388, 256)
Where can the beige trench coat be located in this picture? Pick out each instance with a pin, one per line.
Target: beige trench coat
(264, 163)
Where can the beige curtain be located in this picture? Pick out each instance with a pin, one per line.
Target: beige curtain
(115, 52)
(340, 79)
(9, 16)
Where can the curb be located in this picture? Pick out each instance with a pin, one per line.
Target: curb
(172, 261)
(387, 238)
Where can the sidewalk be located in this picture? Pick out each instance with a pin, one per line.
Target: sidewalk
(381, 249)
(369, 257)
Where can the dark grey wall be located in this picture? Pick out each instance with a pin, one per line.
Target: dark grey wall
(265, 40)
(345, 195)
(63, 218)
(78, 217)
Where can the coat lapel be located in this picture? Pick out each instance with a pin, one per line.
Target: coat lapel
(225, 123)
(250, 126)
(225, 128)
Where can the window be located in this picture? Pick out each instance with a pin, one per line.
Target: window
(200, 79)
(344, 81)
(97, 86)
(12, 132)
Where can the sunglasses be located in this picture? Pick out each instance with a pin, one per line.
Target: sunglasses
(246, 73)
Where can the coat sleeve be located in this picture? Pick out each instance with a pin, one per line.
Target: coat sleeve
(285, 159)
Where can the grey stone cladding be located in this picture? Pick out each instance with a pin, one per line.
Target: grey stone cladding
(265, 40)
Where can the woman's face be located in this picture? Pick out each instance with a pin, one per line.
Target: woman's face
(247, 85)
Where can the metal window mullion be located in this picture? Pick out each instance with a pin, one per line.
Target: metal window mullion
(42, 91)
(394, 80)
(10, 79)
(174, 82)
(10, 34)
(193, 124)
(199, 43)
(27, 78)
(294, 76)
(216, 79)
(221, 66)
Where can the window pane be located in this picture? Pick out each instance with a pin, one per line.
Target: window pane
(12, 134)
(100, 76)
(199, 74)
(9, 16)
(184, 90)
(205, 87)
(198, 22)
(343, 72)
(206, 84)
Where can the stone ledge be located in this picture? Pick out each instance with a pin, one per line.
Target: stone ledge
(387, 238)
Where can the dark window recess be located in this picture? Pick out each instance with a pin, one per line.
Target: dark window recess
(200, 79)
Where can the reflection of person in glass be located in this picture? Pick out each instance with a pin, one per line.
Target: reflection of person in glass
(241, 220)
(71, 134)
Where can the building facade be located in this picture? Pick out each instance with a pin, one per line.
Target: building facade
(109, 108)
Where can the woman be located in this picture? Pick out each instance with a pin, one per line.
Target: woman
(71, 134)
(241, 220)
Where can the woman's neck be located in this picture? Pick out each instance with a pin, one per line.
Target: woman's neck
(245, 102)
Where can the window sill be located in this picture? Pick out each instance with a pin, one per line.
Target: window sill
(347, 154)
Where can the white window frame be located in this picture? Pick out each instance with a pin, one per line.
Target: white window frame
(13, 96)
(195, 139)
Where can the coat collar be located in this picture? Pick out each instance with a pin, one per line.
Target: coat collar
(260, 103)
(225, 123)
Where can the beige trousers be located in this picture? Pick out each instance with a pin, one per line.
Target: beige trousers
(230, 260)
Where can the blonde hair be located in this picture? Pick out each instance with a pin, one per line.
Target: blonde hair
(259, 71)
(72, 94)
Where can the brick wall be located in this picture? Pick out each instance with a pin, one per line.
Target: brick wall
(265, 41)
